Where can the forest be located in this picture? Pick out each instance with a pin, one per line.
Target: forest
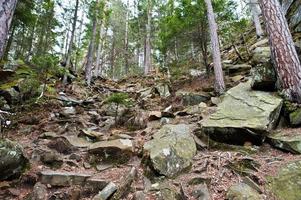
(150, 99)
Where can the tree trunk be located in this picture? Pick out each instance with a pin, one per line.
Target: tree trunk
(99, 49)
(90, 55)
(7, 8)
(9, 42)
(283, 49)
(68, 58)
(255, 14)
(147, 62)
(218, 71)
(126, 39)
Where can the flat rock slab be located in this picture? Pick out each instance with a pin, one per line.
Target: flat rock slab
(287, 141)
(244, 115)
(172, 149)
(55, 178)
(119, 150)
(286, 184)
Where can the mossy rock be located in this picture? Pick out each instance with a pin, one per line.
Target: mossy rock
(286, 184)
(12, 161)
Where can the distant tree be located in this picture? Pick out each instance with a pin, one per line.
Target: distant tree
(253, 4)
(7, 9)
(147, 48)
(284, 53)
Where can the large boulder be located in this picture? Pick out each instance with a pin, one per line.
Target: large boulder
(237, 69)
(244, 115)
(12, 160)
(263, 73)
(286, 184)
(172, 149)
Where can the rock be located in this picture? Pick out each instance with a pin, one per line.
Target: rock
(125, 186)
(106, 192)
(244, 115)
(96, 183)
(201, 192)
(166, 151)
(261, 55)
(165, 120)
(237, 78)
(216, 100)
(12, 160)
(237, 69)
(154, 115)
(287, 141)
(192, 98)
(286, 184)
(242, 191)
(114, 150)
(168, 192)
(68, 111)
(263, 73)
(295, 117)
(51, 158)
(68, 142)
(61, 145)
(196, 109)
(39, 192)
(163, 90)
(139, 195)
(55, 178)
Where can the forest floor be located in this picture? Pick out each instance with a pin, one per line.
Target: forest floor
(54, 134)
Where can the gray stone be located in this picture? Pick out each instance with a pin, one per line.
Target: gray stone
(39, 192)
(96, 183)
(163, 90)
(237, 69)
(166, 151)
(68, 111)
(168, 192)
(139, 195)
(12, 160)
(244, 115)
(242, 191)
(114, 150)
(51, 158)
(287, 141)
(56, 178)
(106, 192)
(192, 98)
(286, 184)
(201, 192)
(263, 73)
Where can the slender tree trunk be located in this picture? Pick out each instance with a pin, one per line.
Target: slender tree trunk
(91, 51)
(126, 39)
(256, 19)
(283, 49)
(7, 8)
(147, 61)
(79, 41)
(9, 42)
(218, 71)
(99, 49)
(68, 57)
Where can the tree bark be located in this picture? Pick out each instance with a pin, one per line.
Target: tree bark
(147, 62)
(7, 9)
(99, 49)
(126, 39)
(284, 53)
(256, 19)
(68, 58)
(218, 71)
(91, 51)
